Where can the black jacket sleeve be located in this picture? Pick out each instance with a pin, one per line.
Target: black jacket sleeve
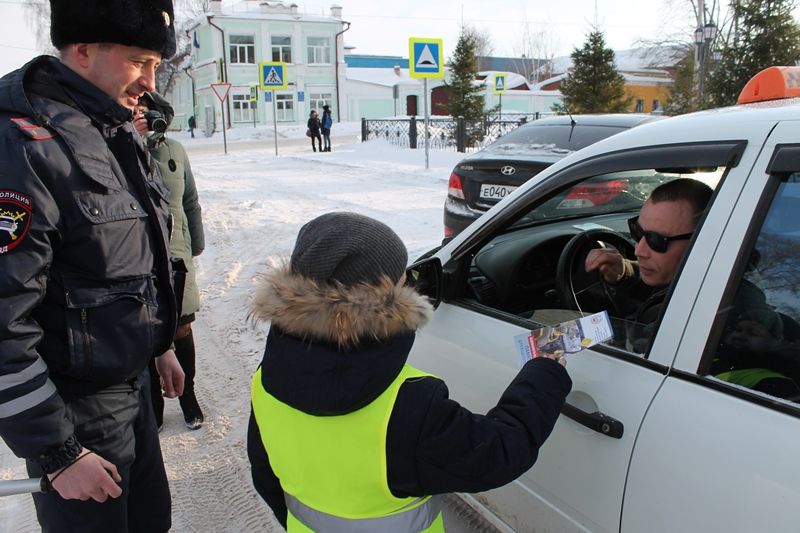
(265, 481)
(32, 420)
(435, 446)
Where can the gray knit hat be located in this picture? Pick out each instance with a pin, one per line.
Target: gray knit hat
(348, 248)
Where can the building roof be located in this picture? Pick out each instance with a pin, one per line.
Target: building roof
(380, 76)
(643, 59)
(370, 61)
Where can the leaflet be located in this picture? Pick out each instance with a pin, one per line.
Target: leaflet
(564, 338)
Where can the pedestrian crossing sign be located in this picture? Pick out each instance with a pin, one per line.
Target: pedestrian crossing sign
(272, 75)
(425, 58)
(499, 84)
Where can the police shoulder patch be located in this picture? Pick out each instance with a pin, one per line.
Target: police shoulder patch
(31, 129)
(16, 210)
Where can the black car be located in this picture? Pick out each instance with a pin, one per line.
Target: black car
(486, 177)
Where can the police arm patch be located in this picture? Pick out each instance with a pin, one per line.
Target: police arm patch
(16, 211)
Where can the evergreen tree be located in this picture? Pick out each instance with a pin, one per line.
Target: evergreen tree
(593, 85)
(683, 95)
(763, 34)
(465, 97)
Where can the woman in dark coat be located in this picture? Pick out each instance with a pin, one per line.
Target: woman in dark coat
(313, 130)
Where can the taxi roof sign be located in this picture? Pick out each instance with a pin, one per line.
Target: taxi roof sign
(772, 83)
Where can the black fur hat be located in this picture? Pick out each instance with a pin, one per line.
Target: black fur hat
(148, 24)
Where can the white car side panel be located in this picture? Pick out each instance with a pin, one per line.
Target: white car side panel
(707, 461)
(476, 357)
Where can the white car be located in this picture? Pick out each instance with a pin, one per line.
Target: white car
(658, 436)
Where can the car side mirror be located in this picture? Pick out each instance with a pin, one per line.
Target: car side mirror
(425, 276)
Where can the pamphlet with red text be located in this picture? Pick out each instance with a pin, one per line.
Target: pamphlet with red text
(564, 338)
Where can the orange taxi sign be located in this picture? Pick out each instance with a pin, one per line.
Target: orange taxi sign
(772, 83)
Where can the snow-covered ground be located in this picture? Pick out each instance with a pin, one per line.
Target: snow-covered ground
(253, 206)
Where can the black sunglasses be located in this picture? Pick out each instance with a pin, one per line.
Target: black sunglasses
(657, 242)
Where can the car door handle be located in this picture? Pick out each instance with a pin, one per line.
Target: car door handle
(597, 421)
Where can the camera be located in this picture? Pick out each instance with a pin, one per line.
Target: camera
(155, 121)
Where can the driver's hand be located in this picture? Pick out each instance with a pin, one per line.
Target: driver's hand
(608, 261)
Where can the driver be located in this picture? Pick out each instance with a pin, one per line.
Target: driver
(662, 231)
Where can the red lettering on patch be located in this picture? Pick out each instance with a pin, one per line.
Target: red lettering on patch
(16, 211)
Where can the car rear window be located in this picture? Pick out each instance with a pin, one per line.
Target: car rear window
(555, 138)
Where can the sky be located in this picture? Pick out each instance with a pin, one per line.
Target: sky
(382, 27)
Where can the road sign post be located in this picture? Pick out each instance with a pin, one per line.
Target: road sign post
(425, 60)
(253, 101)
(500, 89)
(272, 77)
(221, 90)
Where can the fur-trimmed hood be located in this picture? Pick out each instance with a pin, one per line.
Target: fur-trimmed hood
(335, 313)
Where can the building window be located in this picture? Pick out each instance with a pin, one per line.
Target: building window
(284, 104)
(282, 49)
(639, 106)
(243, 49)
(317, 100)
(319, 50)
(242, 108)
(657, 106)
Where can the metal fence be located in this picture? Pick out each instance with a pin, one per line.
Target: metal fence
(445, 133)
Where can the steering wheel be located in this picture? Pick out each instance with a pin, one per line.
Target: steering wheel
(581, 290)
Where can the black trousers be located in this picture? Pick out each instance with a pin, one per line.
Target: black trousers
(116, 423)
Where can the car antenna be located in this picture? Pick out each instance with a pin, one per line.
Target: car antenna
(572, 123)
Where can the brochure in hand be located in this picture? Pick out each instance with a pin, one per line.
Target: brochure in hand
(564, 338)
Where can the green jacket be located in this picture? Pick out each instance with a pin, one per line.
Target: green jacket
(187, 238)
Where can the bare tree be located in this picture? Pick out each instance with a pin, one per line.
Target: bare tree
(535, 51)
(482, 40)
(37, 16)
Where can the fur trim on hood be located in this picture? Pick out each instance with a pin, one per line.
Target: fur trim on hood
(337, 314)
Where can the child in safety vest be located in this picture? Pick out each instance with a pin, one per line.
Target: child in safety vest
(342, 428)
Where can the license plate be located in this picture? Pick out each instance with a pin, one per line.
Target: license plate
(495, 192)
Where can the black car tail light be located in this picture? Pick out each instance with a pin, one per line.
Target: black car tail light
(454, 187)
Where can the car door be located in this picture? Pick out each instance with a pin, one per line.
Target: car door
(578, 481)
(718, 448)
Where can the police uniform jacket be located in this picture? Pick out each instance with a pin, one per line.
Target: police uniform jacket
(85, 280)
(433, 444)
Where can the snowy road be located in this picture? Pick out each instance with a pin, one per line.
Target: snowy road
(253, 206)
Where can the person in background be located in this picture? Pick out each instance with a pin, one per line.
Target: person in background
(187, 241)
(343, 432)
(313, 130)
(192, 125)
(327, 122)
(86, 292)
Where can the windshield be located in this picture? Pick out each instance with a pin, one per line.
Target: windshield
(614, 192)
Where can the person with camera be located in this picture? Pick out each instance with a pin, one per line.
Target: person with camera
(153, 116)
(87, 283)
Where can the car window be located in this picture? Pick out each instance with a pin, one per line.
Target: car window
(534, 268)
(554, 139)
(759, 344)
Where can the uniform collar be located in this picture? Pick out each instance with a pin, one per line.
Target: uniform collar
(93, 101)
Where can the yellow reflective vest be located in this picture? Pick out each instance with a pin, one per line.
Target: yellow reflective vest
(333, 468)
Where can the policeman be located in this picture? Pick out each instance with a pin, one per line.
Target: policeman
(86, 297)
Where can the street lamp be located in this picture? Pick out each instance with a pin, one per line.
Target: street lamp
(703, 37)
